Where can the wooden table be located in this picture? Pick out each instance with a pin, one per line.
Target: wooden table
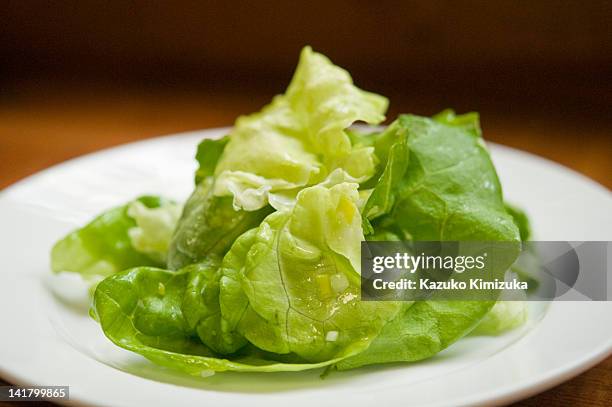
(40, 127)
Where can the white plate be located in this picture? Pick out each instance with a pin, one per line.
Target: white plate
(48, 339)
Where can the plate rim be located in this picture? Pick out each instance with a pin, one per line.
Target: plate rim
(217, 131)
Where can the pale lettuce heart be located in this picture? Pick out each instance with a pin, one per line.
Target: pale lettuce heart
(330, 217)
(292, 284)
(299, 138)
(154, 227)
(285, 199)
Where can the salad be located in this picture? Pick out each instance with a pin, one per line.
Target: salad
(259, 270)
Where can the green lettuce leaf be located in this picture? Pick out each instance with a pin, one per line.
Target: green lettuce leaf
(233, 302)
(208, 154)
(135, 234)
(209, 226)
(202, 311)
(300, 137)
(391, 147)
(451, 192)
(521, 220)
(142, 310)
(470, 122)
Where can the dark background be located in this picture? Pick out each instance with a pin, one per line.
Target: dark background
(77, 76)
